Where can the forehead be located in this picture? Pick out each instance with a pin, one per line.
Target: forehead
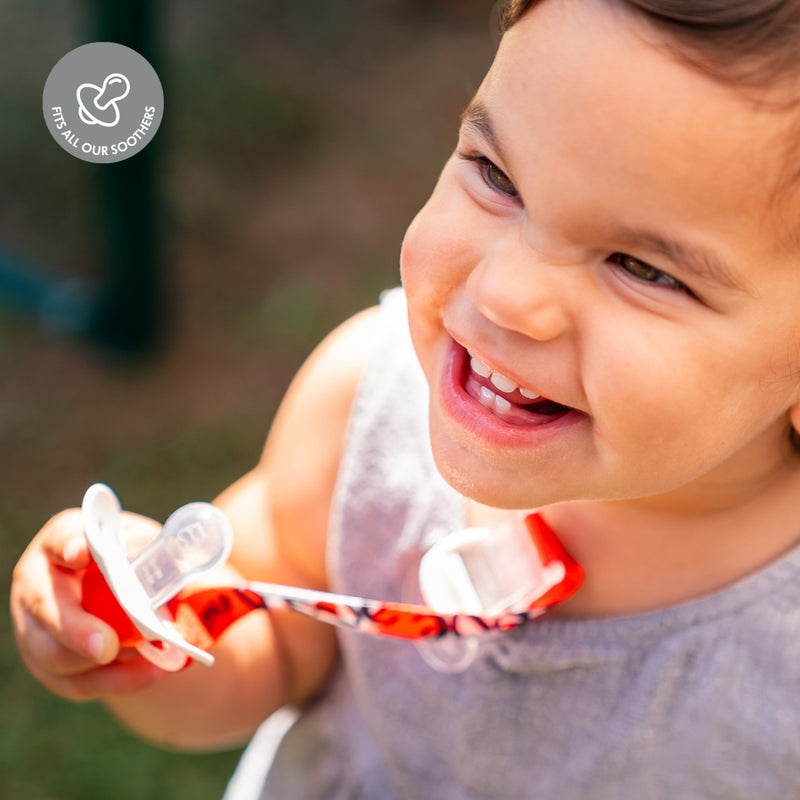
(598, 87)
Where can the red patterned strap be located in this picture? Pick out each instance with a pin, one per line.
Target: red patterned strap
(202, 616)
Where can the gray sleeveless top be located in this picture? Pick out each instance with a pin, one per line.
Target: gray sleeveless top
(701, 700)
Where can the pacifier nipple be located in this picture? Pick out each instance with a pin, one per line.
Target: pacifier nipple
(115, 87)
(484, 571)
(194, 538)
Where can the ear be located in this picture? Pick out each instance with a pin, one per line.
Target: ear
(794, 417)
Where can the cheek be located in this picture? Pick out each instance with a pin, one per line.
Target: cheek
(412, 254)
(646, 391)
(676, 414)
(419, 272)
(439, 248)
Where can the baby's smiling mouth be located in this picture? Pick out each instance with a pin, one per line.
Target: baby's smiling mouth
(503, 397)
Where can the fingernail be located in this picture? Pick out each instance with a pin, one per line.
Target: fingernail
(96, 647)
(72, 549)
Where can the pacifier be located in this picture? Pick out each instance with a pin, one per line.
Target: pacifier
(131, 594)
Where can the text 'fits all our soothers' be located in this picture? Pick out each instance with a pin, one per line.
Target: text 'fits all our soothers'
(475, 581)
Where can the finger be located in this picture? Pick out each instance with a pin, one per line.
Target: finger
(70, 642)
(49, 622)
(137, 531)
(63, 540)
(120, 677)
(129, 674)
(46, 657)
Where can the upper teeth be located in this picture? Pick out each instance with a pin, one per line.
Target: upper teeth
(498, 380)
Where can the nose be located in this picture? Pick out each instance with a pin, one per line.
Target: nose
(522, 293)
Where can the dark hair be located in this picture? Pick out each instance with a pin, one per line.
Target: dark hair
(744, 42)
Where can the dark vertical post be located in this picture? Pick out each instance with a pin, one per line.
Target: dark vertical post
(128, 313)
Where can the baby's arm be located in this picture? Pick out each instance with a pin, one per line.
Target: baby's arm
(279, 513)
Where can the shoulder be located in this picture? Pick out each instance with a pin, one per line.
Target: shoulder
(317, 404)
(304, 448)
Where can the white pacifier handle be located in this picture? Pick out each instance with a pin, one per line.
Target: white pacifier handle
(194, 538)
(486, 571)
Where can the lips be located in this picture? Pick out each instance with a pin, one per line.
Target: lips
(512, 423)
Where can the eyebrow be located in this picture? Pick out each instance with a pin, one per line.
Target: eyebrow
(698, 261)
(476, 117)
(693, 259)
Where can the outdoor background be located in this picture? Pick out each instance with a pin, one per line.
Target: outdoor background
(298, 141)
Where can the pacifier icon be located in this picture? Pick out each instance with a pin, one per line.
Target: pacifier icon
(97, 104)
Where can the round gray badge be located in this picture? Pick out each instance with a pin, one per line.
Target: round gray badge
(103, 102)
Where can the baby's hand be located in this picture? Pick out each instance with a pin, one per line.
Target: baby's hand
(74, 654)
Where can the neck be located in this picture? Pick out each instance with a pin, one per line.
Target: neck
(644, 555)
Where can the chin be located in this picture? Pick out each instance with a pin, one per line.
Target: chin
(489, 484)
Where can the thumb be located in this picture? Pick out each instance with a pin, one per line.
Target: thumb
(65, 542)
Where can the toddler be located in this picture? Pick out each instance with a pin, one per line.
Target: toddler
(598, 320)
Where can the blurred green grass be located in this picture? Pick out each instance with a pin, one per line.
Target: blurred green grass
(299, 139)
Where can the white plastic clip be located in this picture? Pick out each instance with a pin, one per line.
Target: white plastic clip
(194, 538)
(486, 571)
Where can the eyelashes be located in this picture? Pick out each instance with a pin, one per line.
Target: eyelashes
(492, 175)
(642, 271)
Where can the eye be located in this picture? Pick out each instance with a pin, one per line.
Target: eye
(497, 179)
(494, 177)
(643, 271)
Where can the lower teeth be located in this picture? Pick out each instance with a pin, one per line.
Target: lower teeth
(501, 406)
(494, 402)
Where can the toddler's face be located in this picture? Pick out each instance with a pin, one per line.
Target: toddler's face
(608, 236)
